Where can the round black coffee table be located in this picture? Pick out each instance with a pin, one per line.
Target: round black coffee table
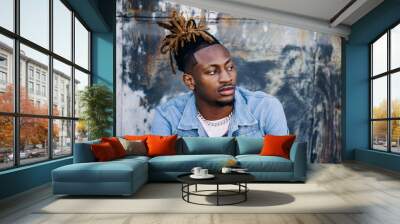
(238, 179)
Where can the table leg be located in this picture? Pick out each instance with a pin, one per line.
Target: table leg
(245, 193)
(188, 190)
(217, 194)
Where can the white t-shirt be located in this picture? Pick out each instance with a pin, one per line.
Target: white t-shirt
(216, 128)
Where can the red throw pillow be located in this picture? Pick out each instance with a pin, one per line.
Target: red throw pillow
(277, 145)
(103, 151)
(161, 145)
(116, 145)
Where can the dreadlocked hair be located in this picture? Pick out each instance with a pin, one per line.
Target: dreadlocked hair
(184, 40)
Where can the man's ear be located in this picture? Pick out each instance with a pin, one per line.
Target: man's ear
(188, 80)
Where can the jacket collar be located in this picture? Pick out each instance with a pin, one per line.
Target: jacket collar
(189, 119)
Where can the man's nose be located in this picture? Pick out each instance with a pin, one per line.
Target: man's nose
(225, 76)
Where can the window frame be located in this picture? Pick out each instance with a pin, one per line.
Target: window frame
(388, 74)
(15, 68)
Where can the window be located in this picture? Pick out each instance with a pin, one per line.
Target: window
(37, 74)
(44, 91)
(81, 45)
(63, 75)
(7, 142)
(62, 140)
(34, 22)
(43, 77)
(3, 78)
(6, 73)
(3, 61)
(385, 91)
(81, 81)
(7, 14)
(30, 72)
(38, 89)
(41, 83)
(62, 29)
(30, 87)
(3, 72)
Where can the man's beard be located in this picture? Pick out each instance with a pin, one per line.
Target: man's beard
(225, 103)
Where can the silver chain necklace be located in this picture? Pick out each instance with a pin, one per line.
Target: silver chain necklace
(215, 123)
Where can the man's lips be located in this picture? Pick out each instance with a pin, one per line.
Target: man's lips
(227, 90)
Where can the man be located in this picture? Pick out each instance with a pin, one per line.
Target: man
(215, 106)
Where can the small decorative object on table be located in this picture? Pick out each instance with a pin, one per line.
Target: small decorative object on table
(200, 173)
(230, 166)
(231, 163)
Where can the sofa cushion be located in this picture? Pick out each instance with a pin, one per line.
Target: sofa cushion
(207, 145)
(248, 145)
(111, 171)
(83, 152)
(131, 158)
(185, 163)
(257, 163)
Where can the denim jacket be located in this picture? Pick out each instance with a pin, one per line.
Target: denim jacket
(255, 114)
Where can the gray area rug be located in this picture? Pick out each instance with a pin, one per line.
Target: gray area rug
(166, 198)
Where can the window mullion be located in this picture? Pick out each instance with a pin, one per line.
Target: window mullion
(16, 69)
(50, 87)
(371, 89)
(389, 113)
(73, 82)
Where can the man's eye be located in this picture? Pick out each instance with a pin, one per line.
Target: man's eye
(230, 68)
(211, 72)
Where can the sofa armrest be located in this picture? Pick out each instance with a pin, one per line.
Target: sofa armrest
(298, 155)
(83, 152)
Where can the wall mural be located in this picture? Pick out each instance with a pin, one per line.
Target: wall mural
(301, 68)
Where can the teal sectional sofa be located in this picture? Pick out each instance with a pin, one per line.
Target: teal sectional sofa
(125, 176)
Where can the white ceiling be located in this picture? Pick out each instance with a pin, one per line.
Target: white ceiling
(321, 9)
(314, 15)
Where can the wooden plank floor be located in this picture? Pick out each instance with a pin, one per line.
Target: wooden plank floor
(378, 188)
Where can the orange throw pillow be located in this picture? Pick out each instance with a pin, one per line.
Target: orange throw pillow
(116, 145)
(136, 137)
(103, 151)
(277, 145)
(161, 145)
